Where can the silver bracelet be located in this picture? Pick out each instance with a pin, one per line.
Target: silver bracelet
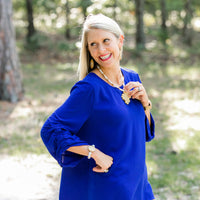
(91, 149)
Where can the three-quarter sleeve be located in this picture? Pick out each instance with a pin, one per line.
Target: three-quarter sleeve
(59, 132)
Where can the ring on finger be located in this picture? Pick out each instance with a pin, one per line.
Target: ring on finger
(139, 89)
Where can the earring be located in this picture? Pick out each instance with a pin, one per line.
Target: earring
(120, 56)
(91, 63)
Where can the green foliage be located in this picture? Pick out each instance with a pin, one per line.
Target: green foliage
(48, 6)
(66, 46)
(19, 5)
(50, 15)
(152, 5)
(84, 4)
(37, 41)
(163, 36)
(175, 5)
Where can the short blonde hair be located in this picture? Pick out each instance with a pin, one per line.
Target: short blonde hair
(98, 21)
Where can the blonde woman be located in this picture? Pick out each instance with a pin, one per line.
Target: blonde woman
(98, 135)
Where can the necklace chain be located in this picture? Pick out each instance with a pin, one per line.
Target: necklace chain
(100, 70)
(124, 95)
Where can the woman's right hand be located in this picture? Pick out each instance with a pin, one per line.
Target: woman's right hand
(103, 161)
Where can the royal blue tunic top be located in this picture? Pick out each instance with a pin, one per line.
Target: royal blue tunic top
(95, 113)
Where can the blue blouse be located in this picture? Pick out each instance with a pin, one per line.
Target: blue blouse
(95, 113)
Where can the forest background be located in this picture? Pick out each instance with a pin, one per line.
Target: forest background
(162, 43)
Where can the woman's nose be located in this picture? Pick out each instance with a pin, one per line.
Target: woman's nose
(101, 48)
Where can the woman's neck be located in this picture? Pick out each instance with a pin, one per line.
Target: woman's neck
(114, 74)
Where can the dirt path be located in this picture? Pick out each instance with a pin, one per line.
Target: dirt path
(34, 177)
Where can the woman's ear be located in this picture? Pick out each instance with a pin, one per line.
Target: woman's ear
(121, 41)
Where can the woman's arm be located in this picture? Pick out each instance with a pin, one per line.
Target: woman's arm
(59, 132)
(102, 160)
(147, 113)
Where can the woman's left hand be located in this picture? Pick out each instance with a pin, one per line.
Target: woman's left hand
(136, 90)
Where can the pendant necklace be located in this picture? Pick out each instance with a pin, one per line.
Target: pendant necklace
(124, 95)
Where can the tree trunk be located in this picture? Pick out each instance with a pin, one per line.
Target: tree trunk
(163, 14)
(84, 5)
(114, 10)
(140, 37)
(67, 33)
(31, 28)
(187, 28)
(84, 9)
(164, 33)
(10, 77)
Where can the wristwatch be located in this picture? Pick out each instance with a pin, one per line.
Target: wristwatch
(91, 149)
(148, 107)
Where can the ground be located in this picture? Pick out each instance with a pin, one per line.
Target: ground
(33, 177)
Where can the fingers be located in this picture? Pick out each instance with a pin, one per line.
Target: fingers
(132, 85)
(100, 170)
(137, 91)
(102, 160)
(134, 89)
(103, 165)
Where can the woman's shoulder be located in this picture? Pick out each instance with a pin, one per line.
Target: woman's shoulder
(129, 71)
(130, 74)
(85, 85)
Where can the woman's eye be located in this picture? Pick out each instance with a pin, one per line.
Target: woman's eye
(106, 40)
(92, 44)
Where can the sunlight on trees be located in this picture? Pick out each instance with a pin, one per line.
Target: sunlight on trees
(196, 23)
(149, 20)
(55, 16)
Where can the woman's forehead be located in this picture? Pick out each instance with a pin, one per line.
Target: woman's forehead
(98, 34)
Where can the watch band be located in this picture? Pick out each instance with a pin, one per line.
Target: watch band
(91, 149)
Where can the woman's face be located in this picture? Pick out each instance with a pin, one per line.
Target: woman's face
(104, 47)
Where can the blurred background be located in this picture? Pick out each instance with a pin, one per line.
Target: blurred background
(39, 52)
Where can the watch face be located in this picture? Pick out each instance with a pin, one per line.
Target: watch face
(91, 148)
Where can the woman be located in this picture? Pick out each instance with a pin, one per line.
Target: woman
(98, 135)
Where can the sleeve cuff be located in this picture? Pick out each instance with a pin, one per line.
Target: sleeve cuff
(70, 159)
(150, 130)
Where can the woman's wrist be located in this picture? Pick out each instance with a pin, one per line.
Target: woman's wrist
(147, 105)
(95, 154)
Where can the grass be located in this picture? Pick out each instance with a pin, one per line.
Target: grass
(171, 78)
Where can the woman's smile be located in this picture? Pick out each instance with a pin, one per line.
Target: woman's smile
(105, 57)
